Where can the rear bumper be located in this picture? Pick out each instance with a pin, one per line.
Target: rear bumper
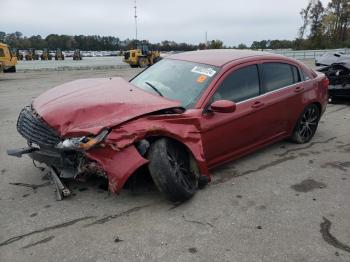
(339, 91)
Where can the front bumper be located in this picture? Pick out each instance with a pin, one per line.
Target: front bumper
(69, 163)
(116, 165)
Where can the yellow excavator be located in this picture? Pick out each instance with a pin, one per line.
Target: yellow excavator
(46, 55)
(31, 55)
(7, 60)
(141, 56)
(59, 55)
(77, 55)
(18, 54)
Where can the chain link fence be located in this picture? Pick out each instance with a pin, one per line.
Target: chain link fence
(308, 54)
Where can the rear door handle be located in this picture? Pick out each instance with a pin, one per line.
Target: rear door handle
(299, 89)
(257, 104)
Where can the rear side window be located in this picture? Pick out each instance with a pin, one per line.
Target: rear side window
(240, 85)
(279, 75)
(2, 54)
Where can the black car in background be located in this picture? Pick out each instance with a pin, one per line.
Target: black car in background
(337, 68)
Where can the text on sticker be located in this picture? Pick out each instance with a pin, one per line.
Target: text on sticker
(204, 71)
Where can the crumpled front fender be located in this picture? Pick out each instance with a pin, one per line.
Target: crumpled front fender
(119, 165)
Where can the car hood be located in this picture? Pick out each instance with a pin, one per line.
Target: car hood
(90, 105)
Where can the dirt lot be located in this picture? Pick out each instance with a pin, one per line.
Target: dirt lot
(284, 203)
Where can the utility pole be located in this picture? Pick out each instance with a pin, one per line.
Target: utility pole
(206, 38)
(135, 16)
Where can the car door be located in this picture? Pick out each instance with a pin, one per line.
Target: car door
(281, 87)
(226, 135)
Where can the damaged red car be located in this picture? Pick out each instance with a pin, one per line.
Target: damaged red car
(180, 117)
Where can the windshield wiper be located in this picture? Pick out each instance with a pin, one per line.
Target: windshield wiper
(154, 88)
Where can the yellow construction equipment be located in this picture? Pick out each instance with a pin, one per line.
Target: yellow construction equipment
(59, 55)
(18, 54)
(46, 55)
(31, 55)
(7, 60)
(141, 56)
(77, 55)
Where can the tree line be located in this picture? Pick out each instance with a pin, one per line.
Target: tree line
(322, 27)
(95, 43)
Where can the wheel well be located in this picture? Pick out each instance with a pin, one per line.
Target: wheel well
(193, 161)
(318, 106)
(141, 175)
(152, 139)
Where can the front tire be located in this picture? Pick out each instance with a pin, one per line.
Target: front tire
(169, 166)
(12, 69)
(143, 63)
(307, 124)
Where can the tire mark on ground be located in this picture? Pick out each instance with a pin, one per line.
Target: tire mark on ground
(306, 147)
(199, 223)
(124, 213)
(329, 238)
(343, 166)
(227, 177)
(45, 240)
(32, 186)
(45, 229)
(72, 222)
(336, 110)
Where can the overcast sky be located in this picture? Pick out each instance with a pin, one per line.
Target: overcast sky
(233, 21)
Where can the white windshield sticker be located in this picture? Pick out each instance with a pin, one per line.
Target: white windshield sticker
(203, 71)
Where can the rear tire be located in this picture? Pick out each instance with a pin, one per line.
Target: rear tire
(306, 125)
(169, 166)
(12, 69)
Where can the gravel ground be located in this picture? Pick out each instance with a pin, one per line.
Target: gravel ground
(284, 203)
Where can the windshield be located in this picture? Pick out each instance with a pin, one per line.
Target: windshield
(177, 80)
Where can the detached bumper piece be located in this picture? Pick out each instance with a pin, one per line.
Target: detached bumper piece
(47, 158)
(22, 151)
(61, 189)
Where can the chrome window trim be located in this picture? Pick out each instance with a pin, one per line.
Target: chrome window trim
(271, 92)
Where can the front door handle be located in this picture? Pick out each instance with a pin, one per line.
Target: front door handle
(299, 89)
(257, 104)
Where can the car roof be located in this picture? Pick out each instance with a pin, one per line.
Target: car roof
(219, 57)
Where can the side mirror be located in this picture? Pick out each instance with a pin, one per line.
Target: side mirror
(223, 106)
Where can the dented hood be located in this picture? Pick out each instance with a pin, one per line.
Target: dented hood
(89, 105)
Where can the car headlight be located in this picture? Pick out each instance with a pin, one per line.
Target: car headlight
(82, 143)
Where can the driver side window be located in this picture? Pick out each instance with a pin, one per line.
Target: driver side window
(240, 85)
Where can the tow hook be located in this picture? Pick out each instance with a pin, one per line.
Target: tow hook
(61, 189)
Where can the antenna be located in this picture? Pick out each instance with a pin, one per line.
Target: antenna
(135, 20)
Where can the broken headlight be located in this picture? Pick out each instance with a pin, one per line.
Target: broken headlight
(82, 143)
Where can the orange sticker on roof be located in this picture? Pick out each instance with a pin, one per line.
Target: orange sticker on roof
(201, 79)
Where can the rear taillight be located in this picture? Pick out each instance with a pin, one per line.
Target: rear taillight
(325, 83)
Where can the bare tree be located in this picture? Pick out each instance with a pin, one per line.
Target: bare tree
(305, 15)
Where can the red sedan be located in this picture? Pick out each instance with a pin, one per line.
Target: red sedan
(181, 117)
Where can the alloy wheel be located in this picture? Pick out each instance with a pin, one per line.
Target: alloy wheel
(180, 167)
(308, 123)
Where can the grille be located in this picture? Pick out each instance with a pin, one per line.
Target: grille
(32, 128)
